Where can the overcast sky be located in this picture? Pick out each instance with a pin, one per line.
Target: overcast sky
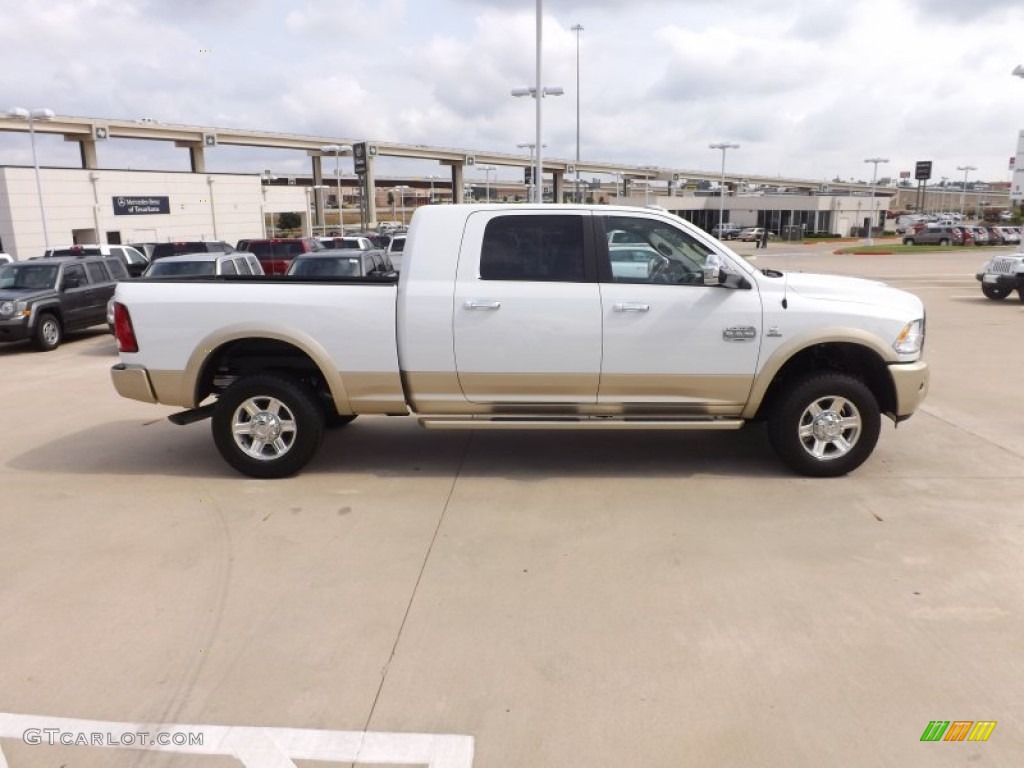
(809, 88)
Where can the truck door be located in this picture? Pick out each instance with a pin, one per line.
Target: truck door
(671, 343)
(527, 309)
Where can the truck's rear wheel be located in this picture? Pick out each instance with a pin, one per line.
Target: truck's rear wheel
(267, 426)
(826, 425)
(996, 292)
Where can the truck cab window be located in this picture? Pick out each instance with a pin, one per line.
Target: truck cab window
(643, 250)
(533, 248)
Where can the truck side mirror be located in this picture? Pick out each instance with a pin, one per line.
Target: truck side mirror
(713, 269)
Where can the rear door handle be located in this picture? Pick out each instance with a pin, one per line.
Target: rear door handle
(481, 304)
(631, 306)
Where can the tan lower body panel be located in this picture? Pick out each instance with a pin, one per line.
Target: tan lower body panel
(911, 383)
(441, 393)
(375, 393)
(132, 382)
(583, 422)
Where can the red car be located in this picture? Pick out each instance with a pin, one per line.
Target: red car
(276, 254)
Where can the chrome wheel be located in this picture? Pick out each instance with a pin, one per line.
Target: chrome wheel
(264, 428)
(267, 425)
(824, 424)
(50, 332)
(830, 427)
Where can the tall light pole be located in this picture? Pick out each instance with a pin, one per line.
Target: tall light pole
(577, 28)
(724, 146)
(963, 190)
(433, 178)
(874, 178)
(20, 113)
(647, 183)
(552, 90)
(268, 176)
(337, 150)
(401, 197)
(538, 92)
(487, 178)
(530, 192)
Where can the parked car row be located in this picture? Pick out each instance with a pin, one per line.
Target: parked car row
(71, 287)
(965, 234)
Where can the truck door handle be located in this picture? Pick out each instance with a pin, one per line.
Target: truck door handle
(481, 304)
(631, 306)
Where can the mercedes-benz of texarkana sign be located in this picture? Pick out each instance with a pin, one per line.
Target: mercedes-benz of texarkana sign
(531, 317)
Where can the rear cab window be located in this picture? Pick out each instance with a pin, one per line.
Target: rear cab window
(535, 248)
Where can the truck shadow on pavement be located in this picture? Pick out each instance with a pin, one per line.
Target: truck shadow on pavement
(399, 448)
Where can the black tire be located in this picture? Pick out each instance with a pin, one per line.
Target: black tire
(943, 242)
(996, 292)
(291, 420)
(908, 241)
(1020, 293)
(48, 334)
(835, 441)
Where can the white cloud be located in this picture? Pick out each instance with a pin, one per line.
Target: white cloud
(809, 88)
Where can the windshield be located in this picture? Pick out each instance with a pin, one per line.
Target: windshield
(180, 268)
(28, 277)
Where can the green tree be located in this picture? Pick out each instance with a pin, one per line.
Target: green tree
(289, 220)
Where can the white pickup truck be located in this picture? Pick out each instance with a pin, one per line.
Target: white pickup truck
(527, 317)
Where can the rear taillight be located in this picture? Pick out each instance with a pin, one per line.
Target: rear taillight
(123, 330)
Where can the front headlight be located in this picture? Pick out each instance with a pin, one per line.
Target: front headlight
(6, 308)
(910, 339)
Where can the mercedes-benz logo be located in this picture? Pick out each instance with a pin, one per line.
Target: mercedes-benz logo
(121, 202)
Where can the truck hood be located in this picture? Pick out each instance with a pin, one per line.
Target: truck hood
(851, 289)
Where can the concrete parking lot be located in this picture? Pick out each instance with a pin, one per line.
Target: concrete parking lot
(548, 599)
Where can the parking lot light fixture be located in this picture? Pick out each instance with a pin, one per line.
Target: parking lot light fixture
(530, 194)
(577, 28)
(551, 90)
(538, 92)
(432, 177)
(963, 190)
(337, 150)
(20, 113)
(874, 179)
(724, 146)
(487, 179)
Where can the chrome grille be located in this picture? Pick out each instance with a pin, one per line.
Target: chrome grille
(1003, 266)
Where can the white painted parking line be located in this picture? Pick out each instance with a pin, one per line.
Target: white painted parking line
(253, 747)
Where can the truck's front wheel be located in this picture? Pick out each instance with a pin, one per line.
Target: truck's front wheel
(267, 426)
(826, 425)
(996, 292)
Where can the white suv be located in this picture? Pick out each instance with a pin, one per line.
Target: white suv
(133, 259)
